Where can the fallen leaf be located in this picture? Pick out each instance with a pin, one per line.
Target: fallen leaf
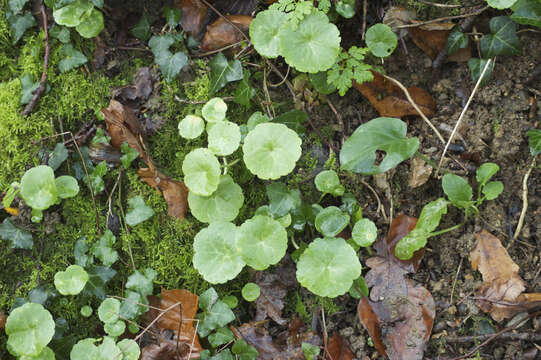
(3, 319)
(257, 336)
(432, 39)
(338, 349)
(501, 282)
(193, 15)
(140, 90)
(221, 33)
(174, 192)
(389, 100)
(399, 313)
(123, 126)
(99, 53)
(419, 172)
(169, 350)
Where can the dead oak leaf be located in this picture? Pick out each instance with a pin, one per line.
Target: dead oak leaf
(169, 350)
(389, 100)
(432, 39)
(193, 14)
(123, 126)
(221, 33)
(338, 349)
(420, 172)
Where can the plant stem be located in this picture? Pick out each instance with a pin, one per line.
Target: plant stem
(436, 233)
(294, 243)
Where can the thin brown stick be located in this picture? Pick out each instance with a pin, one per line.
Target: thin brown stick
(219, 50)
(39, 91)
(463, 113)
(283, 79)
(197, 102)
(526, 336)
(380, 207)
(447, 18)
(338, 117)
(455, 279)
(524, 203)
(363, 32)
(449, 6)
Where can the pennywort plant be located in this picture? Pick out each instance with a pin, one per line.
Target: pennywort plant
(83, 15)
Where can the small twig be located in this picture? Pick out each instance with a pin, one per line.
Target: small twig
(268, 100)
(423, 116)
(526, 336)
(197, 102)
(455, 279)
(331, 146)
(39, 91)
(338, 117)
(219, 50)
(442, 19)
(463, 113)
(440, 5)
(129, 48)
(524, 203)
(380, 207)
(325, 334)
(284, 78)
(226, 19)
(365, 7)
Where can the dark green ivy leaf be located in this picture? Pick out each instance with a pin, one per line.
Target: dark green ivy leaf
(19, 24)
(72, 58)
(219, 315)
(130, 154)
(172, 16)
(61, 33)
(142, 282)
(503, 40)
(138, 211)
(293, 119)
(527, 12)
(16, 6)
(281, 199)
(58, 156)
(243, 351)
(104, 251)
(535, 141)
(223, 72)
(81, 253)
(98, 276)
(476, 69)
(244, 91)
(141, 30)
(456, 40)
(171, 64)
(28, 88)
(17, 238)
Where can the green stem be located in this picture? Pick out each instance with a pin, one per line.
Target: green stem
(294, 243)
(436, 233)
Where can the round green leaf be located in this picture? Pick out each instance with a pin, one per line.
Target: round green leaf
(29, 329)
(271, 150)
(130, 349)
(262, 241)
(66, 186)
(328, 182)
(85, 350)
(222, 205)
(109, 310)
(501, 4)
(328, 267)
(46, 354)
(381, 40)
(72, 281)
(264, 31)
(38, 187)
(255, 119)
(358, 154)
(215, 253)
(71, 15)
(485, 172)
(86, 311)
(312, 46)
(223, 138)
(191, 127)
(214, 110)
(331, 221)
(364, 232)
(493, 189)
(91, 25)
(115, 329)
(250, 291)
(201, 172)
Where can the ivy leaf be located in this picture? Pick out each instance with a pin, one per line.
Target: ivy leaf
(457, 190)
(172, 16)
(535, 141)
(293, 119)
(503, 40)
(81, 253)
(142, 30)
(130, 154)
(142, 282)
(61, 33)
(331, 221)
(19, 24)
(215, 253)
(264, 30)
(72, 58)
(501, 4)
(130, 307)
(91, 25)
(271, 150)
(223, 205)
(328, 267)
(244, 92)
(17, 238)
(58, 156)
(243, 351)
(29, 329)
(381, 40)
(71, 281)
(223, 72)
(28, 88)
(98, 276)
(457, 40)
(72, 14)
(171, 64)
(476, 67)
(281, 199)
(261, 242)
(104, 251)
(159, 44)
(138, 211)
(527, 12)
(218, 316)
(16, 6)
(313, 45)
(220, 337)
(358, 154)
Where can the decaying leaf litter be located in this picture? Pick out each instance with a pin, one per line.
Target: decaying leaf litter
(500, 296)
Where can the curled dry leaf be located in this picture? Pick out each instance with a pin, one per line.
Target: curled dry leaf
(398, 16)
(419, 172)
(140, 90)
(123, 126)
(389, 99)
(432, 39)
(256, 335)
(502, 286)
(169, 350)
(221, 33)
(399, 313)
(338, 349)
(193, 14)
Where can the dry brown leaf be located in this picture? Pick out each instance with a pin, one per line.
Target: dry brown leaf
(193, 14)
(140, 90)
(174, 192)
(419, 172)
(338, 349)
(3, 319)
(432, 39)
(399, 313)
(123, 126)
(221, 33)
(256, 335)
(389, 100)
(168, 350)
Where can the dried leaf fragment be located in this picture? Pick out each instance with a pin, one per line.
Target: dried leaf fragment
(432, 39)
(389, 100)
(193, 14)
(174, 192)
(221, 33)
(338, 349)
(419, 173)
